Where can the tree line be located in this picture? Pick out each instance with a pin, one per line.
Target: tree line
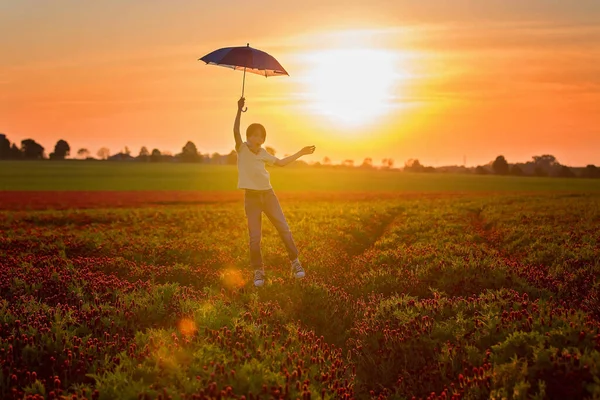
(542, 166)
(31, 150)
(545, 165)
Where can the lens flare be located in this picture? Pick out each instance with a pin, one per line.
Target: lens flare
(187, 327)
(233, 278)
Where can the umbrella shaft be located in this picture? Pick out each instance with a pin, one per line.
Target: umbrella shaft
(244, 82)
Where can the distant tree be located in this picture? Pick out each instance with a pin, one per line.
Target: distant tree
(270, 150)
(566, 172)
(15, 152)
(232, 158)
(126, 151)
(189, 153)
(591, 171)
(84, 153)
(540, 171)
(215, 158)
(32, 150)
(413, 165)
(481, 170)
(103, 153)
(348, 163)
(326, 161)
(516, 170)
(4, 147)
(500, 166)
(156, 156)
(61, 150)
(387, 163)
(367, 163)
(545, 159)
(544, 164)
(144, 154)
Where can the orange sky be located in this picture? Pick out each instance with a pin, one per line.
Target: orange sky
(430, 80)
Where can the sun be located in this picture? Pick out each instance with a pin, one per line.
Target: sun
(353, 87)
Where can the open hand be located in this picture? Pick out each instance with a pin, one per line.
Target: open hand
(307, 150)
(241, 103)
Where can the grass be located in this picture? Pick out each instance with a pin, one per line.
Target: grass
(102, 176)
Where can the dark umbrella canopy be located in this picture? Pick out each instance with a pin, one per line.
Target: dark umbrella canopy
(247, 59)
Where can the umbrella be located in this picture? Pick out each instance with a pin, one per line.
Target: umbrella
(247, 59)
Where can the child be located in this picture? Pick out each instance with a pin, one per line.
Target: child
(259, 196)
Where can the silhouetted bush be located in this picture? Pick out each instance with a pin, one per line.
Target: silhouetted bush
(540, 171)
(591, 171)
(32, 150)
(156, 156)
(515, 170)
(500, 165)
(565, 172)
(480, 170)
(61, 150)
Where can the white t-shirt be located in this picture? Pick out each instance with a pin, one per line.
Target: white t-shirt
(252, 173)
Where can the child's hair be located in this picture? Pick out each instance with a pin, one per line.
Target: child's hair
(256, 128)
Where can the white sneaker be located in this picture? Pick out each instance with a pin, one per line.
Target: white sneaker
(259, 277)
(297, 269)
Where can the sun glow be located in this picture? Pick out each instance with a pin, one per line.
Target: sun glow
(353, 86)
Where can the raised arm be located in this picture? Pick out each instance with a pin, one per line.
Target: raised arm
(285, 161)
(236, 124)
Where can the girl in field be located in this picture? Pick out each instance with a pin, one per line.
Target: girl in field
(259, 197)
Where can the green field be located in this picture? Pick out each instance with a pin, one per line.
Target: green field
(78, 175)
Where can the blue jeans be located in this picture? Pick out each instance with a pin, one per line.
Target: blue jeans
(255, 203)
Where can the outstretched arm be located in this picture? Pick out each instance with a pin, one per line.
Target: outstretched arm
(285, 161)
(236, 124)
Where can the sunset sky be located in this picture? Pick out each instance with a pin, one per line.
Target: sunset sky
(430, 79)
